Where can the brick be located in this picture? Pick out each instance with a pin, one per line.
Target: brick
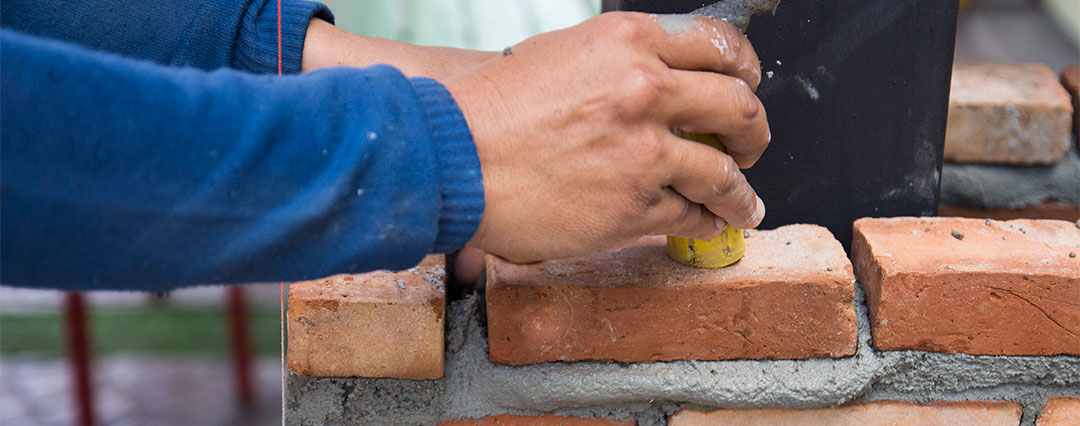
(1062, 411)
(975, 286)
(790, 297)
(896, 413)
(379, 324)
(1045, 210)
(545, 420)
(1007, 114)
(1070, 79)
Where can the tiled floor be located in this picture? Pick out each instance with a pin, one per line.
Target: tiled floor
(138, 391)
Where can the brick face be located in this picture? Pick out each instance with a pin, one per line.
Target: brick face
(971, 286)
(379, 324)
(1045, 210)
(1070, 78)
(894, 413)
(546, 420)
(790, 297)
(1063, 411)
(1007, 114)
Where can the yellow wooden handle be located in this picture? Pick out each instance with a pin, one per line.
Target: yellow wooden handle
(718, 252)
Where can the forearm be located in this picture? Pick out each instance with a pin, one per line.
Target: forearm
(240, 34)
(119, 174)
(328, 46)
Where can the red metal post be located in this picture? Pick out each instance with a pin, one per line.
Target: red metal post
(241, 344)
(79, 353)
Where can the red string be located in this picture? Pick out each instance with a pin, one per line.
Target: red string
(282, 306)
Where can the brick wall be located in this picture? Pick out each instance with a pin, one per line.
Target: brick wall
(927, 321)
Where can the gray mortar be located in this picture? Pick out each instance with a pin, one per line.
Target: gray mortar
(993, 186)
(474, 387)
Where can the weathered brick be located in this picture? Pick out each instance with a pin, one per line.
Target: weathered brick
(897, 413)
(1070, 78)
(1007, 114)
(1045, 210)
(546, 420)
(974, 286)
(1062, 411)
(379, 324)
(790, 297)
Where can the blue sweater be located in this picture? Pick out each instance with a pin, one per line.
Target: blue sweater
(187, 161)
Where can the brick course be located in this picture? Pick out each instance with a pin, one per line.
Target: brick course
(379, 324)
(1007, 114)
(790, 297)
(895, 413)
(971, 286)
(1063, 411)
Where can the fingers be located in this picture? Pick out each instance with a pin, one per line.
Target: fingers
(708, 103)
(675, 215)
(698, 43)
(706, 176)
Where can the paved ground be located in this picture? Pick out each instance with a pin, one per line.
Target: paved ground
(138, 391)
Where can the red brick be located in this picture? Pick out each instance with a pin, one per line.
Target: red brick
(379, 324)
(1007, 114)
(974, 286)
(1070, 78)
(546, 420)
(790, 297)
(1062, 411)
(1046, 210)
(895, 413)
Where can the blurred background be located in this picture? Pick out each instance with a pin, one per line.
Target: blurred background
(211, 355)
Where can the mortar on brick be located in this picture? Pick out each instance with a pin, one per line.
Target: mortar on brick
(997, 186)
(474, 387)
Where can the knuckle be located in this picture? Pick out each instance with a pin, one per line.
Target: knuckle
(746, 105)
(640, 89)
(624, 26)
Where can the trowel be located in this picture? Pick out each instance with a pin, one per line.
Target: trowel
(729, 247)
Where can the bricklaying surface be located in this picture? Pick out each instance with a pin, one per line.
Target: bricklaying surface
(1007, 114)
(969, 285)
(993, 186)
(475, 388)
(790, 297)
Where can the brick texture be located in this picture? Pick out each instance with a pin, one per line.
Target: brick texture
(893, 413)
(790, 297)
(546, 420)
(973, 286)
(1045, 210)
(379, 324)
(1063, 411)
(1070, 78)
(1007, 114)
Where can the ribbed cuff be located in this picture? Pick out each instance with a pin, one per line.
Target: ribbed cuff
(256, 42)
(462, 185)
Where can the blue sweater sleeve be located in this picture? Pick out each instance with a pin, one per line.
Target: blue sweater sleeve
(121, 174)
(206, 34)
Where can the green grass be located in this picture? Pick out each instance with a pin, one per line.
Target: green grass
(143, 330)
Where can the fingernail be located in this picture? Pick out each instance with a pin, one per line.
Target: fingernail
(721, 224)
(759, 213)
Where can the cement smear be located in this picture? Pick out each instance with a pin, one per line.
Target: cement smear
(992, 186)
(474, 387)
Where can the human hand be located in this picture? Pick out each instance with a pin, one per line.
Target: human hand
(574, 130)
(328, 46)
